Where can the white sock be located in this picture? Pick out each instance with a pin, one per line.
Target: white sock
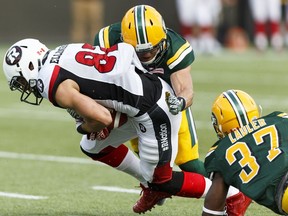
(232, 191)
(208, 184)
(131, 166)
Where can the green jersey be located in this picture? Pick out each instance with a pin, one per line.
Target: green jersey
(178, 56)
(254, 158)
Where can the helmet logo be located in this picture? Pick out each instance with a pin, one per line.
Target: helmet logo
(13, 56)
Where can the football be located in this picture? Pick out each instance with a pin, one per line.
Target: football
(118, 119)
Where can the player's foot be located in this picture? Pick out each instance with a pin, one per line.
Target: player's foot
(148, 199)
(237, 204)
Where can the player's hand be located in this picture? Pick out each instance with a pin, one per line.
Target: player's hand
(118, 120)
(78, 119)
(175, 104)
(101, 135)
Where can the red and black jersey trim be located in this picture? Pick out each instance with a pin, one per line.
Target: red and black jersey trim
(99, 90)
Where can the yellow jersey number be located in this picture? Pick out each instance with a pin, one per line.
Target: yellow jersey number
(247, 156)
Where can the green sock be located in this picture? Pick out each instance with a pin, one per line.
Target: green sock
(196, 166)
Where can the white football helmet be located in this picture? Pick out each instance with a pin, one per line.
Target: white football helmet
(21, 65)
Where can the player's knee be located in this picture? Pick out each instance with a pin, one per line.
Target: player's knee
(109, 155)
(196, 166)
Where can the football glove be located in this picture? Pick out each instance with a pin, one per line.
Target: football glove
(175, 104)
(78, 120)
(73, 113)
(101, 135)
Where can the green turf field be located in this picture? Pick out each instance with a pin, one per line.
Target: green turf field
(43, 172)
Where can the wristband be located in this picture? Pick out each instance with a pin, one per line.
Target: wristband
(183, 102)
(81, 130)
(213, 212)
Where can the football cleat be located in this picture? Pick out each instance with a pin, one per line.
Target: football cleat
(149, 199)
(161, 202)
(237, 204)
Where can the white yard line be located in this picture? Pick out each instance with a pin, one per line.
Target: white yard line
(61, 159)
(49, 158)
(116, 189)
(21, 196)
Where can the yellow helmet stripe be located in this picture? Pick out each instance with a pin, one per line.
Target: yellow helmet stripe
(179, 55)
(139, 19)
(237, 106)
(104, 37)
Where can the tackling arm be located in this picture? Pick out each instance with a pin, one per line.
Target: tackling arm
(96, 117)
(215, 199)
(182, 85)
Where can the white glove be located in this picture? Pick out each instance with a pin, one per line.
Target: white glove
(175, 104)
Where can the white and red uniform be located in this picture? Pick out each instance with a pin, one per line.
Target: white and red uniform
(114, 78)
(198, 20)
(267, 21)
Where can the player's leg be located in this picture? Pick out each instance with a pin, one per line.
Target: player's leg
(260, 17)
(188, 156)
(158, 143)
(274, 24)
(111, 152)
(186, 10)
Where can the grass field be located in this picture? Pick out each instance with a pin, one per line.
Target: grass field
(43, 172)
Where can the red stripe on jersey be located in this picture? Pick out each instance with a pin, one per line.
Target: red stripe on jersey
(52, 82)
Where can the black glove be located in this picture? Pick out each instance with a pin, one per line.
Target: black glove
(78, 120)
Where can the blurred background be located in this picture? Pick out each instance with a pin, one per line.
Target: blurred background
(233, 23)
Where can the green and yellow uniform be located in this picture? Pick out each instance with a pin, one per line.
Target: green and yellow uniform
(254, 158)
(179, 55)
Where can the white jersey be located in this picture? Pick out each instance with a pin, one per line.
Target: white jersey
(106, 75)
(115, 78)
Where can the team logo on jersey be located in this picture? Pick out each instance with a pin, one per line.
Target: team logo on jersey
(142, 128)
(13, 56)
(40, 85)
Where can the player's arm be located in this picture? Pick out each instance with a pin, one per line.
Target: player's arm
(183, 87)
(96, 117)
(215, 199)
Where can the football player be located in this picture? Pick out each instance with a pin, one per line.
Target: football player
(267, 24)
(88, 80)
(251, 154)
(167, 54)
